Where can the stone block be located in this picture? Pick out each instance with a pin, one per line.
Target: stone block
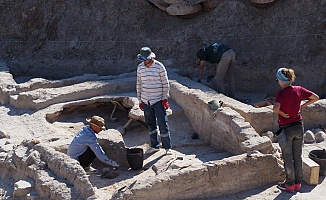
(310, 171)
(6, 148)
(262, 144)
(262, 1)
(23, 187)
(3, 156)
(173, 1)
(3, 141)
(113, 145)
(33, 158)
(129, 102)
(190, 2)
(160, 4)
(183, 9)
(309, 137)
(320, 136)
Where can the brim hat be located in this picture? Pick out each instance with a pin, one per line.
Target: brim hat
(145, 54)
(98, 121)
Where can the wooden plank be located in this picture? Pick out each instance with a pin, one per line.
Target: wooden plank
(310, 171)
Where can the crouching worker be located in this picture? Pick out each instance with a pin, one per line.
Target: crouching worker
(85, 147)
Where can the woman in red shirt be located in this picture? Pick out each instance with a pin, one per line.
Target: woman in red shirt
(288, 105)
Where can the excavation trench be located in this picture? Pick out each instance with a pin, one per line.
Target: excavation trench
(233, 153)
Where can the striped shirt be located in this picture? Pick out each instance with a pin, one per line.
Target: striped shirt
(152, 83)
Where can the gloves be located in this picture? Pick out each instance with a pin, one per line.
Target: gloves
(165, 104)
(199, 81)
(117, 167)
(115, 164)
(141, 106)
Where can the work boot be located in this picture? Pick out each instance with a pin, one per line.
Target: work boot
(151, 150)
(168, 152)
(90, 170)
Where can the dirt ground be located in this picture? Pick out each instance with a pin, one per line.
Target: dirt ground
(62, 39)
(137, 136)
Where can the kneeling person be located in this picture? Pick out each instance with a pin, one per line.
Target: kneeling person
(85, 147)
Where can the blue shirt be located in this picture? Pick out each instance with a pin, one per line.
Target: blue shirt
(86, 138)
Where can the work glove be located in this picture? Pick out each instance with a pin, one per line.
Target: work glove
(116, 167)
(114, 164)
(165, 104)
(141, 106)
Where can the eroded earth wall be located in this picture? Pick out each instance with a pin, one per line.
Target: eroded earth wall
(59, 39)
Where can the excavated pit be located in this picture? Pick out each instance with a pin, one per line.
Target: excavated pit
(234, 151)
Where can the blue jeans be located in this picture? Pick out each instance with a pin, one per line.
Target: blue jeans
(291, 142)
(155, 115)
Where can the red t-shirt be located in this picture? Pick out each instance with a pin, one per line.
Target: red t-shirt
(290, 99)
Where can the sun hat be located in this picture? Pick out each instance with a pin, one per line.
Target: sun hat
(98, 121)
(145, 54)
(281, 77)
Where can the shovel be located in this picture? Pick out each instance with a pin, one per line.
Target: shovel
(172, 160)
(113, 119)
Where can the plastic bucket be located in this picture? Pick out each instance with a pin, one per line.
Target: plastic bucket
(135, 157)
(319, 156)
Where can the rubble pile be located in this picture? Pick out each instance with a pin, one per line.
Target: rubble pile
(44, 173)
(184, 7)
(188, 7)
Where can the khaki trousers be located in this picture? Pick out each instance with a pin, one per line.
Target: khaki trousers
(225, 67)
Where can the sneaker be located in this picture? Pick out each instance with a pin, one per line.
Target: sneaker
(297, 187)
(284, 187)
(90, 169)
(151, 150)
(168, 152)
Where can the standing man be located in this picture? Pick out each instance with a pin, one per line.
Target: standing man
(85, 147)
(152, 93)
(224, 58)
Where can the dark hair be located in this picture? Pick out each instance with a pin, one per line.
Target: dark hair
(200, 54)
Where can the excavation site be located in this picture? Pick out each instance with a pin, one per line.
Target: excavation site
(63, 62)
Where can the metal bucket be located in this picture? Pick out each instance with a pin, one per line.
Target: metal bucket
(319, 156)
(135, 157)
